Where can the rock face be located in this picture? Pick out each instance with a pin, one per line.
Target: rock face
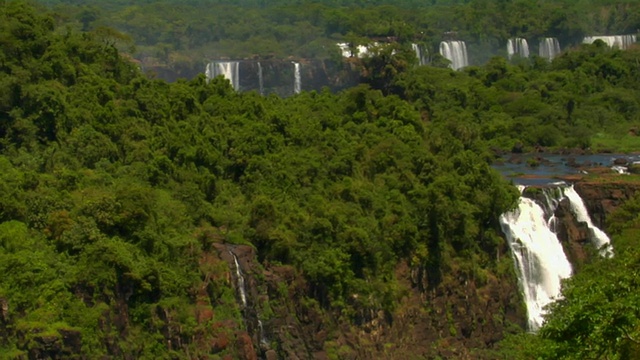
(602, 198)
(460, 312)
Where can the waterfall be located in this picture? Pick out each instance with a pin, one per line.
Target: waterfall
(518, 46)
(297, 85)
(622, 42)
(260, 79)
(344, 49)
(456, 52)
(538, 255)
(421, 53)
(599, 239)
(263, 338)
(240, 281)
(229, 69)
(549, 48)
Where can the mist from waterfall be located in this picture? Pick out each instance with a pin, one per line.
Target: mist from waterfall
(456, 52)
(549, 48)
(622, 42)
(229, 69)
(517, 46)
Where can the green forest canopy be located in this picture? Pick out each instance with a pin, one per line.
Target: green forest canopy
(110, 179)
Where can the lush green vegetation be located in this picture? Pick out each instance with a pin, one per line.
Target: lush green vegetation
(183, 36)
(112, 183)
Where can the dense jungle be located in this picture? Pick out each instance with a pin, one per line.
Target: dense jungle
(363, 222)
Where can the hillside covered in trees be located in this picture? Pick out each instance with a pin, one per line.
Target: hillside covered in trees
(181, 37)
(117, 189)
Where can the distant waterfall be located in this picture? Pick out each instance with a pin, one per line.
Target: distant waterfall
(240, 281)
(229, 69)
(622, 42)
(421, 53)
(260, 79)
(538, 255)
(518, 46)
(549, 48)
(456, 52)
(297, 83)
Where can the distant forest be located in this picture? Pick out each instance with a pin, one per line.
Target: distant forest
(186, 34)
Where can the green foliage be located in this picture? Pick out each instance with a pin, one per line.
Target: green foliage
(108, 180)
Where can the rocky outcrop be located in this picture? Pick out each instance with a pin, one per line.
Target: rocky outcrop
(602, 198)
(459, 316)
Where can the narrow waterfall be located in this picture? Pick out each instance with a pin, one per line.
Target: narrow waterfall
(229, 69)
(421, 53)
(240, 281)
(456, 52)
(549, 48)
(263, 337)
(518, 46)
(598, 237)
(260, 79)
(297, 83)
(622, 42)
(538, 255)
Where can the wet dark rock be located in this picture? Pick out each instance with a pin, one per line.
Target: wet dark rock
(518, 148)
(620, 161)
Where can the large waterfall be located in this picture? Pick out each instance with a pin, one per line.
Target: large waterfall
(421, 53)
(518, 46)
(538, 254)
(456, 52)
(539, 258)
(297, 82)
(229, 69)
(549, 48)
(620, 41)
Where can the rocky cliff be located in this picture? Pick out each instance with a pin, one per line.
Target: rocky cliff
(456, 317)
(460, 314)
(450, 317)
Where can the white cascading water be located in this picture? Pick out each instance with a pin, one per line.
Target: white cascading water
(549, 48)
(297, 82)
(622, 42)
(456, 52)
(600, 240)
(260, 79)
(540, 260)
(421, 53)
(229, 69)
(240, 281)
(539, 257)
(518, 46)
